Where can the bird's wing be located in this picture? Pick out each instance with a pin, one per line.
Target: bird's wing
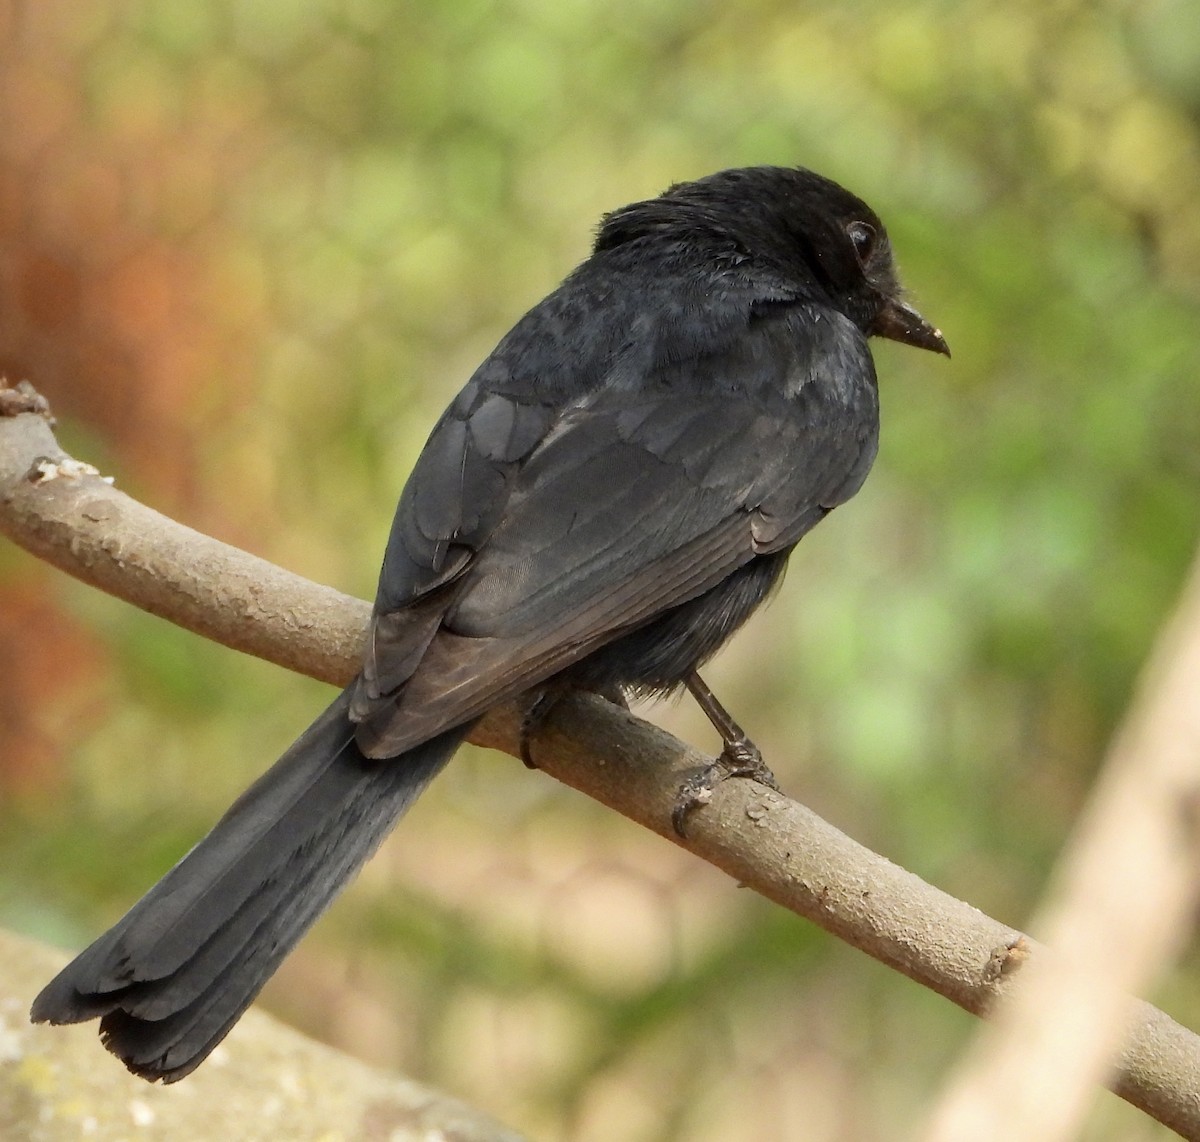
(526, 541)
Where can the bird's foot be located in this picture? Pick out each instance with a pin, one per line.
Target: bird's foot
(541, 702)
(740, 758)
(538, 710)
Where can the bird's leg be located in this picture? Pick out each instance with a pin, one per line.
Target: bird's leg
(541, 701)
(740, 754)
(740, 757)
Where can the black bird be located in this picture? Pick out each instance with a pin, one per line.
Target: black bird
(612, 494)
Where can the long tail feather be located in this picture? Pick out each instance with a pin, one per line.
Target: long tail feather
(170, 979)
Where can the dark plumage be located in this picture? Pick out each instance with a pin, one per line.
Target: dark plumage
(610, 496)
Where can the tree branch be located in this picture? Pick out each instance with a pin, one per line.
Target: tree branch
(1121, 904)
(764, 840)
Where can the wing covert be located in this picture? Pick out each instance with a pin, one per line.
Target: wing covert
(525, 540)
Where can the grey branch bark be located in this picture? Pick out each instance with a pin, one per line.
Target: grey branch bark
(762, 839)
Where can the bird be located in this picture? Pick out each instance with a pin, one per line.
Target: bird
(614, 491)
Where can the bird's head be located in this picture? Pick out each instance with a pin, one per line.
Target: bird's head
(797, 226)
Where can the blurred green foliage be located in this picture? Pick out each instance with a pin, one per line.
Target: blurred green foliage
(293, 228)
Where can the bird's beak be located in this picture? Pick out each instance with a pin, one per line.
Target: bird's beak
(900, 322)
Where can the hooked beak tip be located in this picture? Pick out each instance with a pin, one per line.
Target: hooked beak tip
(899, 321)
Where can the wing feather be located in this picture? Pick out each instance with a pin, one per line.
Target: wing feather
(526, 539)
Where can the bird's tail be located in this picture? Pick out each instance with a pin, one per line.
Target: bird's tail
(170, 979)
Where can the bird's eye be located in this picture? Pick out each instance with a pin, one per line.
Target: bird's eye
(862, 234)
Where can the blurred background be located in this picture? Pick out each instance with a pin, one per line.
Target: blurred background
(250, 248)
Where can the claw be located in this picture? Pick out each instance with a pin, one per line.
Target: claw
(535, 714)
(738, 759)
(542, 702)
